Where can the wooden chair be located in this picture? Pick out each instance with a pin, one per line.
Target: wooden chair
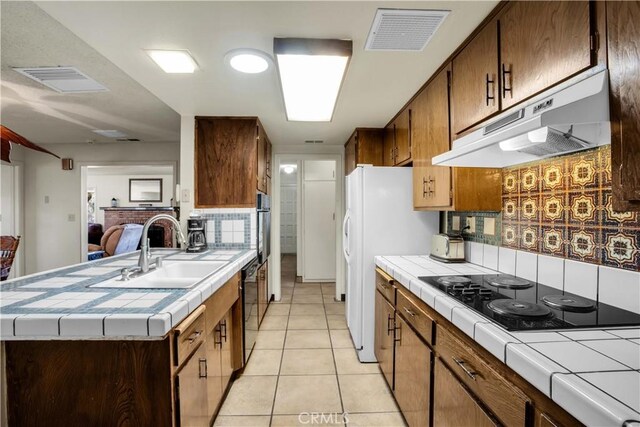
(8, 248)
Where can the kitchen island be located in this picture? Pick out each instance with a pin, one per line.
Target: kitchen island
(547, 378)
(83, 354)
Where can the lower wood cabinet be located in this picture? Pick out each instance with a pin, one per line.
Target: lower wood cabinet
(192, 385)
(454, 405)
(384, 337)
(178, 380)
(412, 375)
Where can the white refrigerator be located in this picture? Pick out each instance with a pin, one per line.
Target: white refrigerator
(379, 220)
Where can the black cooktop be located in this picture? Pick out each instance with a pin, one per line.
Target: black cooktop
(521, 305)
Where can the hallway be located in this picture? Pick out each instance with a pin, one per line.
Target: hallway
(304, 369)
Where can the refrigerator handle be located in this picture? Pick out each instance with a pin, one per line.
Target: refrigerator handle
(345, 235)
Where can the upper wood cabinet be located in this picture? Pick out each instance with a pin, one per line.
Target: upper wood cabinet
(389, 146)
(402, 137)
(231, 161)
(542, 43)
(443, 187)
(539, 43)
(623, 32)
(364, 147)
(474, 88)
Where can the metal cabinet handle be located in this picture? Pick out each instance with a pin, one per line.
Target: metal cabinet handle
(218, 330)
(470, 373)
(202, 367)
(489, 96)
(194, 336)
(398, 337)
(223, 325)
(424, 187)
(389, 327)
(505, 89)
(409, 312)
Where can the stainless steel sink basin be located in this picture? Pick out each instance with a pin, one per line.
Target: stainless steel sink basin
(172, 275)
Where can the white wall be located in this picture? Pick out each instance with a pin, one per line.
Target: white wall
(52, 229)
(108, 186)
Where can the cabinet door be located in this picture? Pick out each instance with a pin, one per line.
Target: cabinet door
(384, 337)
(191, 384)
(350, 155)
(403, 136)
(226, 344)
(261, 177)
(214, 369)
(623, 32)
(412, 375)
(453, 405)
(389, 146)
(268, 158)
(369, 147)
(225, 166)
(541, 44)
(430, 128)
(474, 80)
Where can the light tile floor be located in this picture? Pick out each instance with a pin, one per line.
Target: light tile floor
(304, 369)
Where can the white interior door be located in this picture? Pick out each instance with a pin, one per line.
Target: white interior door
(319, 231)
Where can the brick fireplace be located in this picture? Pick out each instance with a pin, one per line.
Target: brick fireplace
(160, 233)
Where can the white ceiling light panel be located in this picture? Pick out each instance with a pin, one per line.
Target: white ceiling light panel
(311, 74)
(63, 79)
(173, 61)
(404, 29)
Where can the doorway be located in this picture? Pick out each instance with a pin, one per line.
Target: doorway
(307, 205)
(106, 185)
(11, 211)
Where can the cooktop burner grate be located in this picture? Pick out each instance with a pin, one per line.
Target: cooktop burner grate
(508, 282)
(517, 308)
(454, 280)
(568, 303)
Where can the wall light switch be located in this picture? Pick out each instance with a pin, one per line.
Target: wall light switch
(46, 200)
(471, 222)
(490, 226)
(185, 195)
(71, 217)
(455, 223)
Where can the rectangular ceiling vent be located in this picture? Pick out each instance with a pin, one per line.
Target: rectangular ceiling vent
(404, 29)
(63, 79)
(313, 141)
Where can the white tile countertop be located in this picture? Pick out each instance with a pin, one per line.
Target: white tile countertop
(63, 304)
(593, 374)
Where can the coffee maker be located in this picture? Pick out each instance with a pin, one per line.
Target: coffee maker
(196, 234)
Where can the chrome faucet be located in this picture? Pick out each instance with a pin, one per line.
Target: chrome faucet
(145, 250)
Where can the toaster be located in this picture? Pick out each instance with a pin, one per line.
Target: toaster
(447, 248)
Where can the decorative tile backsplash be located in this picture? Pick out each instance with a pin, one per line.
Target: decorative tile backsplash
(562, 207)
(232, 228)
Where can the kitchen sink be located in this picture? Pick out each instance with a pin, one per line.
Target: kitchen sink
(172, 275)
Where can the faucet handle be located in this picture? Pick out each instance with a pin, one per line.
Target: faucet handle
(125, 272)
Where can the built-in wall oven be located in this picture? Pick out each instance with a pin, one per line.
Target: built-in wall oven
(250, 306)
(263, 227)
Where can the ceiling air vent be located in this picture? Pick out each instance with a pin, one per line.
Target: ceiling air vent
(404, 29)
(63, 79)
(313, 141)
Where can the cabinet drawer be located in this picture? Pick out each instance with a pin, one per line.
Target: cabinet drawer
(384, 284)
(189, 334)
(508, 403)
(415, 316)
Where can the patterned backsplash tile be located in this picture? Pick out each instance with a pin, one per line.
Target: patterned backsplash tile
(562, 207)
(230, 228)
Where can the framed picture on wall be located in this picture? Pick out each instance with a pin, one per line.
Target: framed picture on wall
(145, 189)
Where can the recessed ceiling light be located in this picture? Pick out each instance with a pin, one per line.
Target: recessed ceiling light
(173, 61)
(250, 61)
(311, 74)
(289, 169)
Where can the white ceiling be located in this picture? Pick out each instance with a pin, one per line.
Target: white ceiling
(376, 86)
(130, 170)
(30, 37)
